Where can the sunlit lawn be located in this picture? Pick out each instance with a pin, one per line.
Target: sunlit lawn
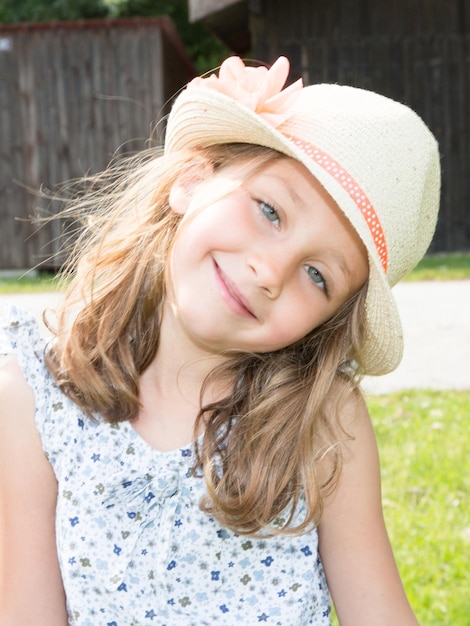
(29, 283)
(434, 267)
(442, 267)
(424, 441)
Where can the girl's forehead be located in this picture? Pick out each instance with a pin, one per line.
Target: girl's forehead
(286, 172)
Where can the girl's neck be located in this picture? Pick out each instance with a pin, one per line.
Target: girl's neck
(170, 392)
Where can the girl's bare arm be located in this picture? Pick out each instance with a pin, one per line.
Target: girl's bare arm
(354, 545)
(31, 590)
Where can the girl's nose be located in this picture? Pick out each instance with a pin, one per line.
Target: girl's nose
(270, 269)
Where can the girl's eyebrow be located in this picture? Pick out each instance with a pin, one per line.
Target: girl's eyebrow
(340, 260)
(291, 192)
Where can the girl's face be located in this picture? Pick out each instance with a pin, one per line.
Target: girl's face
(260, 260)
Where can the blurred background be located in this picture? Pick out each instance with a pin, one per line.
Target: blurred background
(83, 81)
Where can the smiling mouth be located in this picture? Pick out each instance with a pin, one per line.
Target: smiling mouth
(231, 295)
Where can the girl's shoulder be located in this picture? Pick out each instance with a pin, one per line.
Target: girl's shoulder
(56, 417)
(21, 339)
(28, 488)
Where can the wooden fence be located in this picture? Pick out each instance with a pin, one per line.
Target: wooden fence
(417, 52)
(72, 96)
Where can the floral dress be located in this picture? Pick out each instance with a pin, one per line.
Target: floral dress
(134, 547)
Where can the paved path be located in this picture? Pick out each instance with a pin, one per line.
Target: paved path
(436, 326)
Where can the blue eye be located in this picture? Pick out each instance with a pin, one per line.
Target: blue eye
(316, 277)
(270, 213)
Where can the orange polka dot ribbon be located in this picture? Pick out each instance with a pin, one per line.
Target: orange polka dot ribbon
(354, 190)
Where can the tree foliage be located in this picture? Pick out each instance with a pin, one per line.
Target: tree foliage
(203, 47)
(205, 50)
(46, 10)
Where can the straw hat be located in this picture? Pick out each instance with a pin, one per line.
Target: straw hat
(374, 156)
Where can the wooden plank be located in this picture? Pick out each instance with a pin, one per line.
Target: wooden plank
(71, 95)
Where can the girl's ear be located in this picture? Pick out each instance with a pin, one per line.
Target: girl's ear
(191, 176)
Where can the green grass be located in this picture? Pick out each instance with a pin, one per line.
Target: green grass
(29, 283)
(424, 441)
(433, 267)
(442, 267)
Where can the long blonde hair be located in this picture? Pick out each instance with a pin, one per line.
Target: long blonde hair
(275, 438)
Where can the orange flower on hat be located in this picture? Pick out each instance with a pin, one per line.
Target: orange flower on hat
(257, 88)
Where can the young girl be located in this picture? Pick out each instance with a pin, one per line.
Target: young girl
(192, 447)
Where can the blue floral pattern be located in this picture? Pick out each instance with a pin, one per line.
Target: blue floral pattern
(133, 545)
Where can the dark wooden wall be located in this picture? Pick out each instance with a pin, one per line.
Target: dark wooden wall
(72, 96)
(416, 51)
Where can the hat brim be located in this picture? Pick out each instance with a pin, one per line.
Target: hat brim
(202, 117)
